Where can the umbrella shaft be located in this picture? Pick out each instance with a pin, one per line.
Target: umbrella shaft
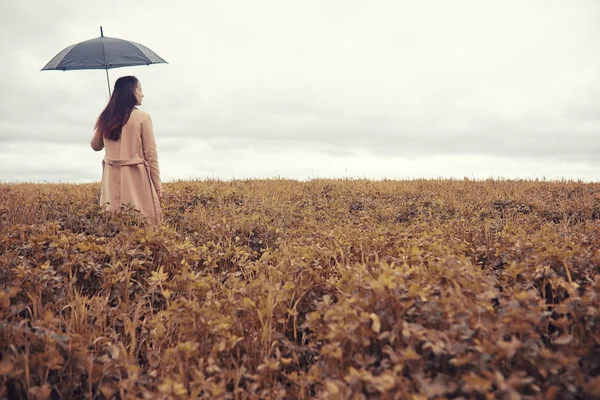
(108, 82)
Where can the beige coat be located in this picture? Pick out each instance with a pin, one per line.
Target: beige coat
(130, 172)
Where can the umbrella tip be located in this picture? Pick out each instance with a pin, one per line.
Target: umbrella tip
(101, 32)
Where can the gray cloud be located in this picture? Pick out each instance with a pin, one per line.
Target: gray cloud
(326, 80)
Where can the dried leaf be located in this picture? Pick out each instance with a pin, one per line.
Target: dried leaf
(376, 322)
(41, 392)
(563, 339)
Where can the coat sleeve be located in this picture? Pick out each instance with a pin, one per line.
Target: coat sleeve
(97, 142)
(150, 152)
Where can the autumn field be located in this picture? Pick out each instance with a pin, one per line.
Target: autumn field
(259, 289)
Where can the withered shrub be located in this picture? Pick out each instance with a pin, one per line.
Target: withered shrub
(286, 289)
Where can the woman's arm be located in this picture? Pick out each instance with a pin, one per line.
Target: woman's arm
(97, 142)
(150, 152)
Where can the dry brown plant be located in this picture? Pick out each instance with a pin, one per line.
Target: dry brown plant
(423, 289)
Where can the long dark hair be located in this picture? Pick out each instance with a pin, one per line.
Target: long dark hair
(119, 108)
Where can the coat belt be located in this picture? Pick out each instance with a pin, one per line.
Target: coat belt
(124, 161)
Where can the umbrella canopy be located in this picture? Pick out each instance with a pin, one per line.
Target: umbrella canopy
(103, 53)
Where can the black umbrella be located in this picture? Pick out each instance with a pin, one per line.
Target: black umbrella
(103, 53)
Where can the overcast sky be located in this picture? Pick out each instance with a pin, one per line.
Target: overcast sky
(314, 88)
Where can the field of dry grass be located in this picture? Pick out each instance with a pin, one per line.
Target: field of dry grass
(334, 289)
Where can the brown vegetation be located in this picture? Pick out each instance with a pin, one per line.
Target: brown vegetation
(287, 289)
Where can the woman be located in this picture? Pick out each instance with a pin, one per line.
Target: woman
(130, 172)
